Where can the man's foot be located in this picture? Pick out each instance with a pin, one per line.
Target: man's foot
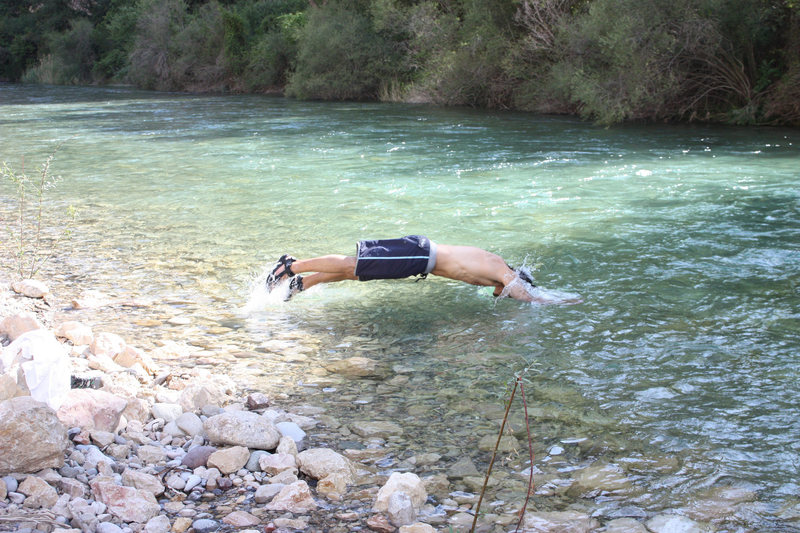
(283, 267)
(295, 286)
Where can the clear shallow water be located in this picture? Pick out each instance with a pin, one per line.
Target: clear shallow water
(683, 241)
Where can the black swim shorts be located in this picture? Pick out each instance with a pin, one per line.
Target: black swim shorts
(395, 258)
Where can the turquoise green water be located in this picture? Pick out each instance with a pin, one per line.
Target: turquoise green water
(684, 242)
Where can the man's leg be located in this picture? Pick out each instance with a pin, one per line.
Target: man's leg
(342, 265)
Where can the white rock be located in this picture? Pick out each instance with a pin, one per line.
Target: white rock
(400, 510)
(126, 503)
(290, 429)
(92, 409)
(193, 481)
(287, 445)
(242, 428)
(409, 483)
(295, 498)
(142, 481)
(38, 492)
(321, 462)
(108, 527)
(167, 411)
(108, 344)
(157, 524)
(274, 464)
(15, 325)
(176, 482)
(31, 288)
(212, 391)
(229, 460)
(190, 424)
(77, 333)
(334, 485)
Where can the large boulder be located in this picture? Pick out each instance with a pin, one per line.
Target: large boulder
(31, 436)
(92, 409)
(242, 428)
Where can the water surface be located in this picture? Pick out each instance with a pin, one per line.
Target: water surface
(681, 366)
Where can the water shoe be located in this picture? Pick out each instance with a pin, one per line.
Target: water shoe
(295, 286)
(274, 277)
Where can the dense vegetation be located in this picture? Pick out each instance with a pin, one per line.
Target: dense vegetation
(609, 60)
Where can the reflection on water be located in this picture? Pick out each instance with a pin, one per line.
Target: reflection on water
(675, 379)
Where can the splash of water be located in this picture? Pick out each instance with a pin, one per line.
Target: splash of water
(539, 295)
(258, 295)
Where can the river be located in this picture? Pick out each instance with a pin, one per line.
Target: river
(680, 369)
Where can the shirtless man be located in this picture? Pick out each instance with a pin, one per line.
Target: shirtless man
(413, 255)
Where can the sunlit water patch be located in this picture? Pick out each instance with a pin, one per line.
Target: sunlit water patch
(676, 379)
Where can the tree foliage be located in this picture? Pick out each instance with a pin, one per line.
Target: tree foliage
(608, 60)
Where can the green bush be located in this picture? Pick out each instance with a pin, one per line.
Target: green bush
(340, 56)
(70, 56)
(115, 38)
(153, 55)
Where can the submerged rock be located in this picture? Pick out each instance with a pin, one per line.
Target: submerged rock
(558, 521)
(673, 523)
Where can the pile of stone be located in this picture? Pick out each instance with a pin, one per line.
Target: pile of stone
(143, 449)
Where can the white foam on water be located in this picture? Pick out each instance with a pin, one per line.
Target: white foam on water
(259, 297)
(540, 294)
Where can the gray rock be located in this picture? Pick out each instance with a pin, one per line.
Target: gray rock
(205, 525)
(265, 493)
(197, 456)
(242, 428)
(252, 463)
(190, 424)
(11, 483)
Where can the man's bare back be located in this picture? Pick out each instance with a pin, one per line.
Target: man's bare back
(462, 263)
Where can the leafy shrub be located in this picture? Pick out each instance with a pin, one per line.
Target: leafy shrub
(70, 58)
(153, 56)
(340, 56)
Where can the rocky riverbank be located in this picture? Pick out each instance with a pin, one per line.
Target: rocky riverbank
(119, 440)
